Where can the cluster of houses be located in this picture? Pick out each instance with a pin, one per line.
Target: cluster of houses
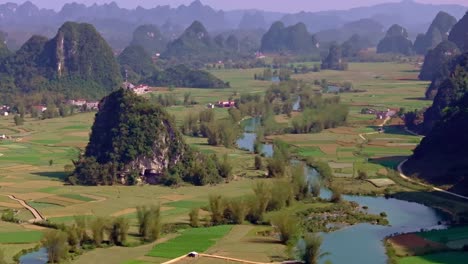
(222, 104)
(139, 89)
(82, 103)
(379, 114)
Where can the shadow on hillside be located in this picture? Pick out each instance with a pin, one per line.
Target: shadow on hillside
(411, 71)
(388, 162)
(438, 200)
(397, 130)
(417, 98)
(57, 175)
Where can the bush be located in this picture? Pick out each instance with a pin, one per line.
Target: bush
(194, 217)
(258, 162)
(217, 206)
(118, 231)
(287, 226)
(149, 222)
(311, 254)
(8, 215)
(98, 226)
(336, 195)
(56, 243)
(238, 209)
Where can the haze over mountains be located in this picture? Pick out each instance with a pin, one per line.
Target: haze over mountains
(117, 24)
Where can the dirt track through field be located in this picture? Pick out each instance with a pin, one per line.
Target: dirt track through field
(402, 175)
(37, 216)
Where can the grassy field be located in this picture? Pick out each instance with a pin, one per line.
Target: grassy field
(32, 164)
(439, 258)
(455, 237)
(197, 239)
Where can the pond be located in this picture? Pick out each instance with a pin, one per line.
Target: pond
(36, 257)
(362, 243)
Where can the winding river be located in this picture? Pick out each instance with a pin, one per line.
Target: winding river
(362, 243)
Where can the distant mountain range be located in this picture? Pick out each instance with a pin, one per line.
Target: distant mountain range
(117, 24)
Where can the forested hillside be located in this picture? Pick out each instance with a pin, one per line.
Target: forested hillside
(441, 158)
(437, 32)
(396, 41)
(293, 39)
(76, 62)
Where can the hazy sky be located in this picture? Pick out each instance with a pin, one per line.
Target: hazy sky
(270, 5)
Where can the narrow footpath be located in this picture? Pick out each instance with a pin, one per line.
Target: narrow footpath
(37, 216)
(402, 175)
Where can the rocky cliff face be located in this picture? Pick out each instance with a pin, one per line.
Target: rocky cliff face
(76, 61)
(79, 51)
(437, 64)
(132, 135)
(459, 33)
(441, 158)
(437, 32)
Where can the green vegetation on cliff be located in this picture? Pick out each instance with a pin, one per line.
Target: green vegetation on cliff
(150, 38)
(441, 158)
(437, 32)
(77, 61)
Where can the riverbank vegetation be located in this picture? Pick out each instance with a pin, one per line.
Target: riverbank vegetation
(338, 153)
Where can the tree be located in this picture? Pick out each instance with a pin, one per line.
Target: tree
(98, 226)
(287, 226)
(311, 254)
(194, 217)
(19, 121)
(118, 231)
(258, 162)
(217, 206)
(262, 192)
(55, 241)
(149, 222)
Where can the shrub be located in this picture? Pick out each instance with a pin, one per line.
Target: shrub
(258, 162)
(194, 217)
(55, 241)
(217, 207)
(98, 227)
(118, 231)
(336, 195)
(149, 222)
(239, 209)
(287, 226)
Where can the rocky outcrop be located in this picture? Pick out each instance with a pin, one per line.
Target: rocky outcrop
(436, 62)
(150, 38)
(437, 32)
(396, 41)
(459, 33)
(293, 39)
(130, 136)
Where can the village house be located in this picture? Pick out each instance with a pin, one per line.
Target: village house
(93, 105)
(141, 89)
(226, 104)
(385, 114)
(78, 102)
